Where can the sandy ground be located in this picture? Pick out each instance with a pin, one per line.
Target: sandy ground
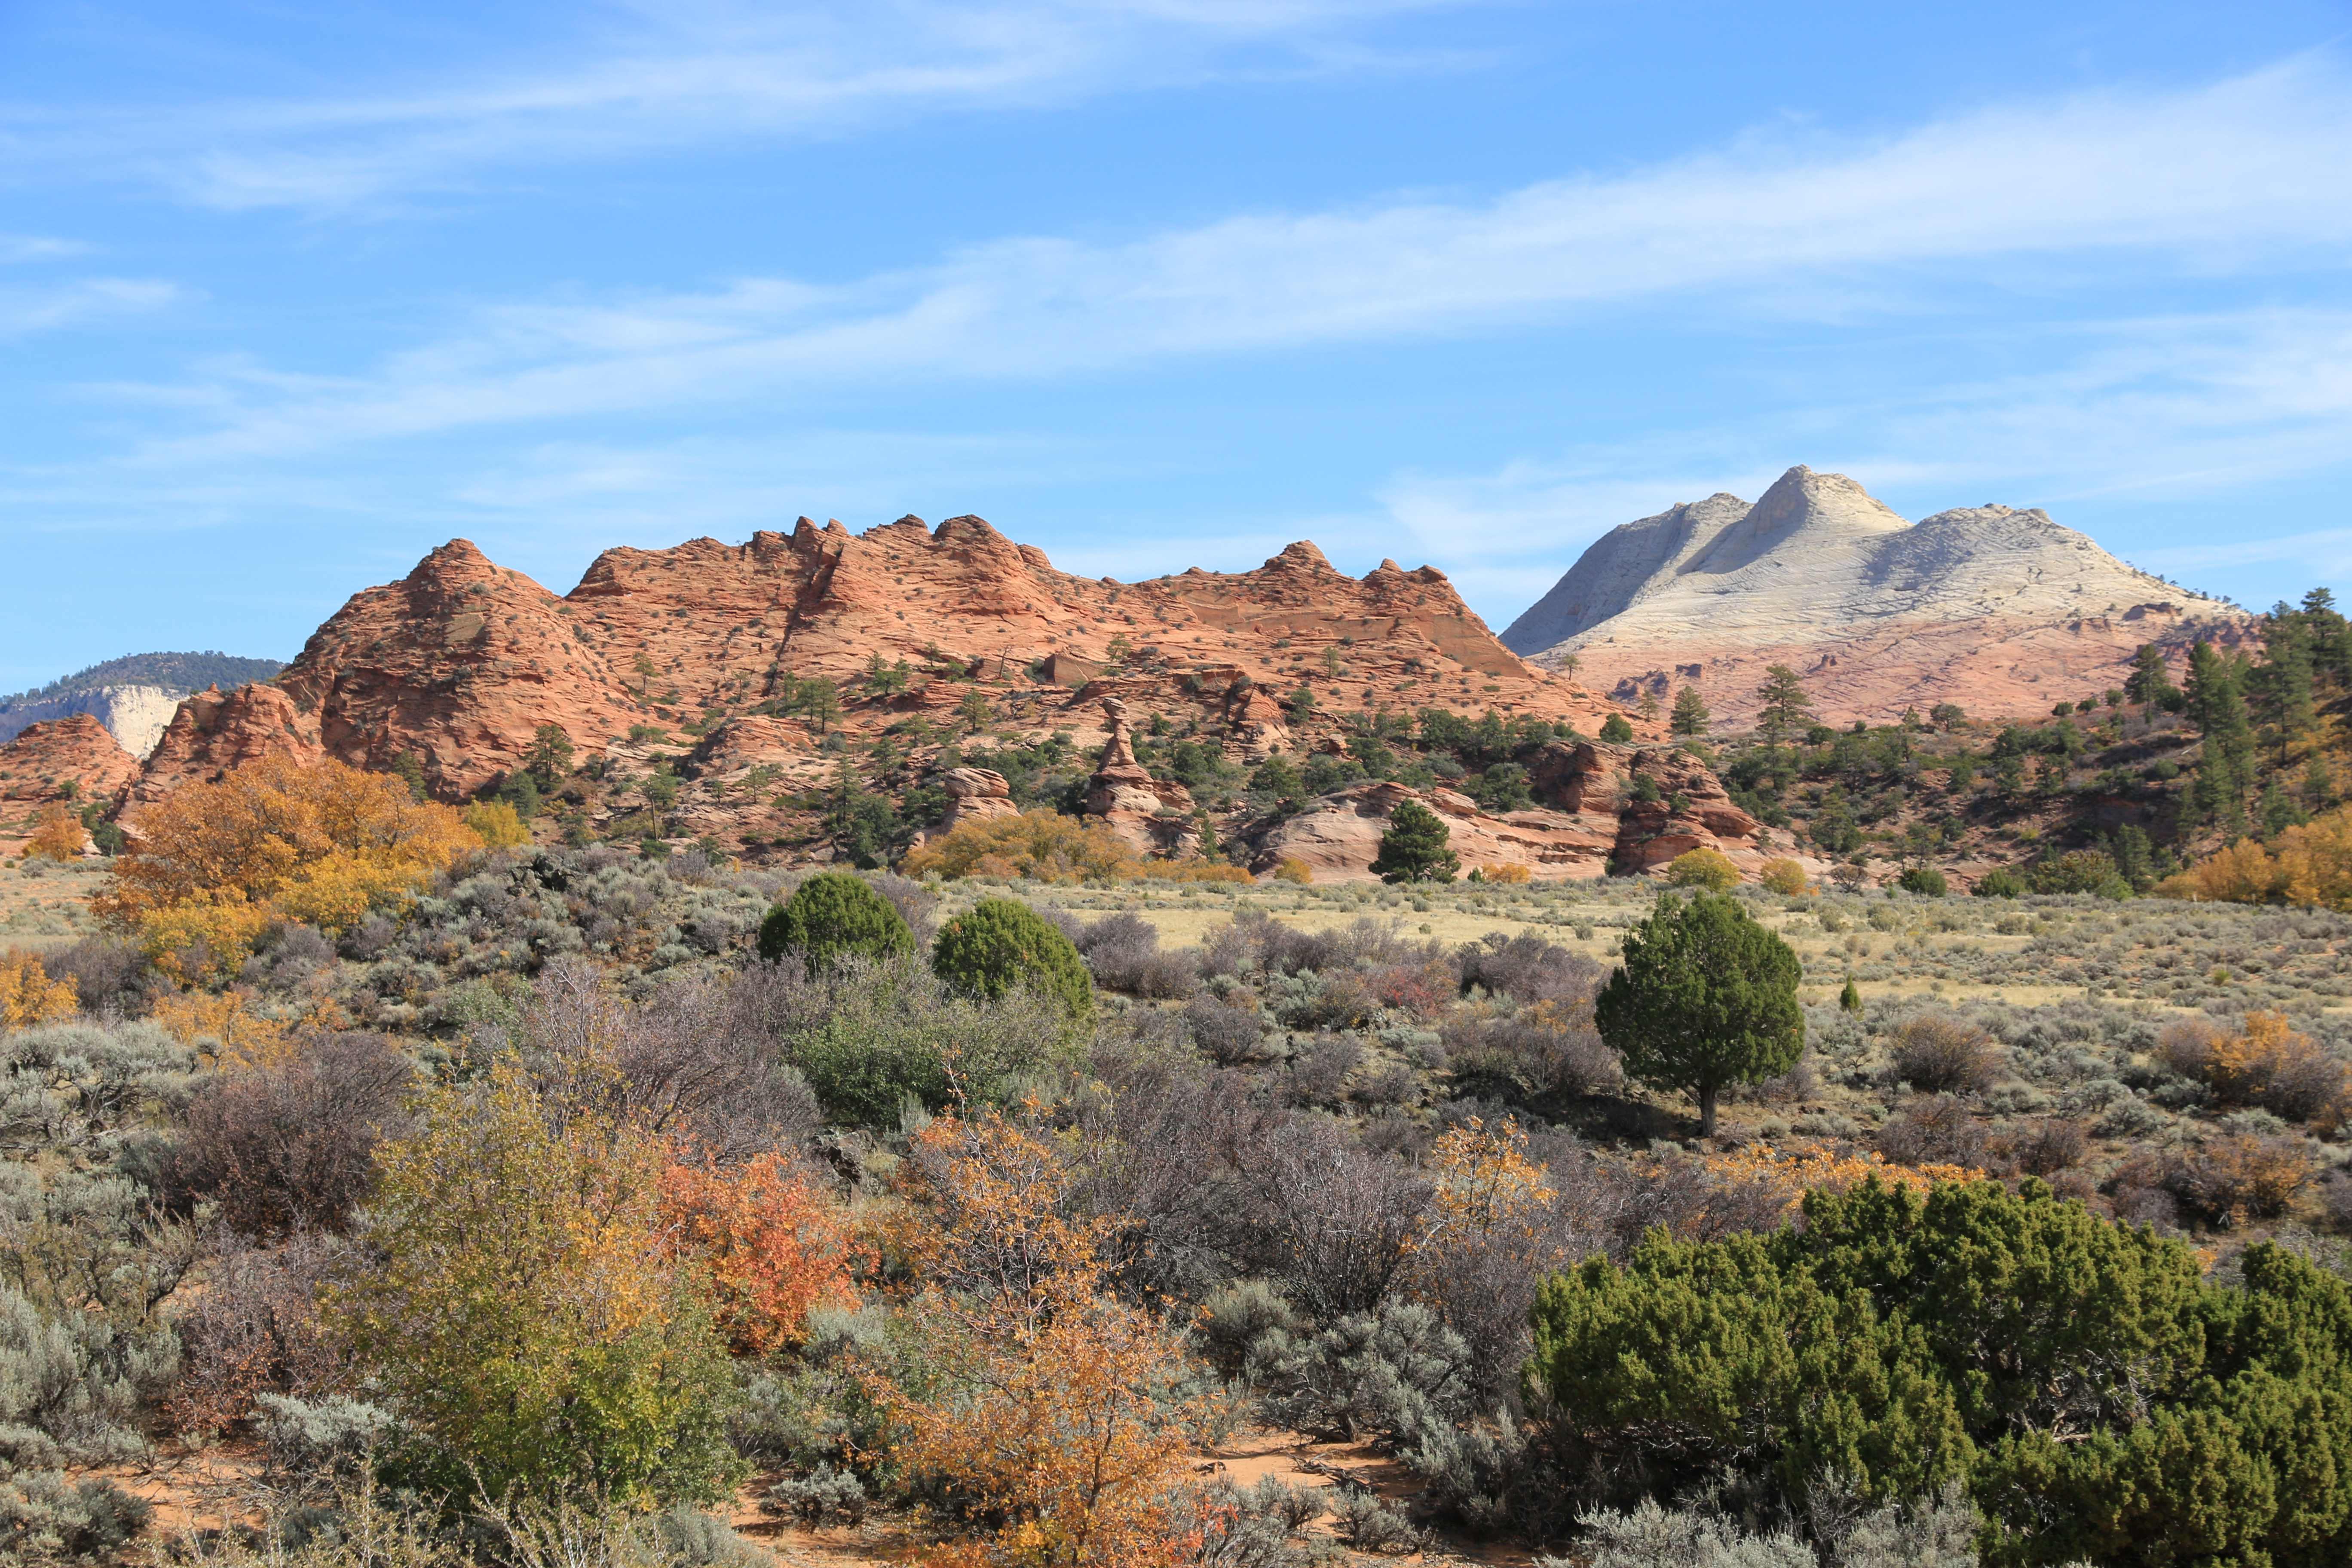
(1245, 1460)
(50, 907)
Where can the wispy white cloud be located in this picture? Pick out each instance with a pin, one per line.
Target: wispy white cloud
(649, 78)
(48, 309)
(2254, 174)
(2326, 553)
(16, 249)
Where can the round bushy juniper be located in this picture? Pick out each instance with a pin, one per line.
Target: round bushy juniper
(999, 943)
(1703, 998)
(833, 914)
(1924, 879)
(1413, 850)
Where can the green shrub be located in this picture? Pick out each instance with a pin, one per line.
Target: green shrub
(2101, 1400)
(1615, 731)
(2001, 882)
(1924, 880)
(869, 1038)
(1000, 944)
(831, 914)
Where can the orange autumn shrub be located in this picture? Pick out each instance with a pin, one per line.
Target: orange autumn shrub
(1483, 1182)
(210, 867)
(1789, 1176)
(57, 835)
(1051, 1412)
(2263, 1061)
(772, 1246)
(28, 995)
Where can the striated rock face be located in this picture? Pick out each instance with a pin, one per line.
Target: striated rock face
(754, 740)
(216, 730)
(1594, 820)
(1999, 611)
(45, 758)
(461, 661)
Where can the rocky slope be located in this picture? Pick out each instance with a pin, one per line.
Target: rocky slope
(458, 664)
(73, 760)
(1593, 819)
(1997, 610)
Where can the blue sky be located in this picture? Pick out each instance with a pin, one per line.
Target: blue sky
(288, 295)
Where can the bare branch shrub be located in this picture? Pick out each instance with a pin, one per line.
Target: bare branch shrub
(287, 1146)
(1943, 1054)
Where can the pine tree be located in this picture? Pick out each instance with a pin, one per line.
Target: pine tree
(2216, 706)
(548, 762)
(2281, 684)
(1850, 999)
(2150, 681)
(1786, 706)
(2331, 637)
(1690, 715)
(1413, 850)
(974, 711)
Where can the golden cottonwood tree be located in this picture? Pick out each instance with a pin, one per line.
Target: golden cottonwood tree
(28, 995)
(211, 865)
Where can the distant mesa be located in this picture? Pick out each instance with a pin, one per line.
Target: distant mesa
(1997, 610)
(133, 697)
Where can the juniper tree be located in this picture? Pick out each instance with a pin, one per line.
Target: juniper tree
(830, 916)
(1703, 997)
(1413, 850)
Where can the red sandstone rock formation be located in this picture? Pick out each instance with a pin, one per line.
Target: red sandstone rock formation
(974, 795)
(1154, 815)
(459, 663)
(1596, 820)
(73, 760)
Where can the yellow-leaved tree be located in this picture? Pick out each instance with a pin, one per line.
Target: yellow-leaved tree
(1042, 846)
(528, 1309)
(210, 867)
(28, 995)
(2308, 865)
(57, 835)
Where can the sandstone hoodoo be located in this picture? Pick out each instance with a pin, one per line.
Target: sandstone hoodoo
(1997, 610)
(1154, 815)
